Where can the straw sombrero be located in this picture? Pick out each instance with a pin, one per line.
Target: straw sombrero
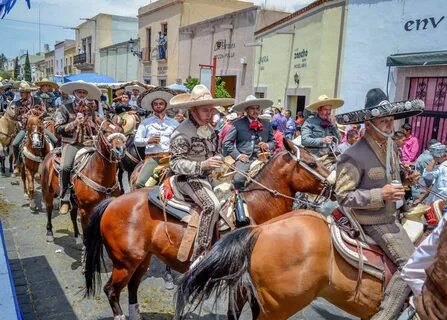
(199, 96)
(93, 91)
(129, 123)
(135, 87)
(251, 100)
(47, 82)
(324, 100)
(24, 86)
(378, 106)
(145, 99)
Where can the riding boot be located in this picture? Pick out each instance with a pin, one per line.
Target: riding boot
(396, 292)
(16, 152)
(65, 192)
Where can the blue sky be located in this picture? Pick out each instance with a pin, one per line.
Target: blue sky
(20, 29)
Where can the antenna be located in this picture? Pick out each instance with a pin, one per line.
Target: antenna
(39, 30)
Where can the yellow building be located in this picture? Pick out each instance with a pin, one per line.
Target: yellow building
(69, 53)
(167, 16)
(49, 65)
(298, 58)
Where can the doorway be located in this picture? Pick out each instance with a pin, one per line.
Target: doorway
(230, 84)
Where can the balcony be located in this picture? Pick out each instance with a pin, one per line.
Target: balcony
(80, 58)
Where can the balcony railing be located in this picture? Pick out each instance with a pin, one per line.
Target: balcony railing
(80, 58)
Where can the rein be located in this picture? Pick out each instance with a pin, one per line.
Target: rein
(107, 142)
(96, 186)
(276, 193)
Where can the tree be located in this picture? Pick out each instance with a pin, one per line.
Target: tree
(191, 82)
(27, 68)
(220, 91)
(3, 61)
(16, 68)
(5, 74)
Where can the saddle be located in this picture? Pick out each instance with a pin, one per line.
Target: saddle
(362, 252)
(81, 158)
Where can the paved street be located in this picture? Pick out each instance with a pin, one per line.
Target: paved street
(48, 276)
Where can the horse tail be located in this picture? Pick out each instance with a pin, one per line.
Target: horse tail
(226, 266)
(93, 250)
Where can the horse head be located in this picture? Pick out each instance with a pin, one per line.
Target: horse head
(112, 141)
(10, 112)
(35, 131)
(307, 174)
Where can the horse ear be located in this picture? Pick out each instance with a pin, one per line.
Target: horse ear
(290, 147)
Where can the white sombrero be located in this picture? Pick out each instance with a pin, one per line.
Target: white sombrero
(24, 86)
(199, 96)
(324, 100)
(47, 82)
(93, 91)
(146, 98)
(251, 100)
(135, 87)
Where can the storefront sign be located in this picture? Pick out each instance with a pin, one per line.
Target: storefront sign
(422, 24)
(223, 45)
(262, 60)
(300, 58)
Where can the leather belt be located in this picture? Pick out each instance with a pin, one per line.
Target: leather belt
(157, 155)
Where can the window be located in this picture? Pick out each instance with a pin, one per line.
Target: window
(164, 28)
(162, 82)
(149, 37)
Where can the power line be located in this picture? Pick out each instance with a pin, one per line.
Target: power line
(34, 23)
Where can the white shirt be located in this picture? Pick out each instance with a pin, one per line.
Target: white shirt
(154, 126)
(439, 178)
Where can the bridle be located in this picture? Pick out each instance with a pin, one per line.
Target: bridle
(320, 199)
(107, 141)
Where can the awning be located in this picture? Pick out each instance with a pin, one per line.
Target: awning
(89, 77)
(417, 59)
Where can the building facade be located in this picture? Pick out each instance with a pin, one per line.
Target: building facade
(228, 38)
(49, 65)
(118, 62)
(101, 31)
(298, 58)
(399, 46)
(59, 59)
(167, 17)
(69, 53)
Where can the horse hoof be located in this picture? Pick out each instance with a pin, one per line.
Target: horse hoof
(50, 238)
(25, 196)
(169, 285)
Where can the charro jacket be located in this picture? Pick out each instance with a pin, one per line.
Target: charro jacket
(243, 140)
(65, 126)
(360, 177)
(312, 134)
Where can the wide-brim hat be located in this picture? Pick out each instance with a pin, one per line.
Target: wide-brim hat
(378, 106)
(324, 100)
(251, 100)
(146, 98)
(134, 87)
(199, 96)
(23, 86)
(47, 82)
(5, 85)
(232, 116)
(93, 91)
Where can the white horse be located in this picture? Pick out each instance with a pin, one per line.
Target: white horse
(8, 129)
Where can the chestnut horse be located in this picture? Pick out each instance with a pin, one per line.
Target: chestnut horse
(34, 151)
(284, 264)
(93, 183)
(133, 230)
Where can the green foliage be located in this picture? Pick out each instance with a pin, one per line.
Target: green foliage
(27, 68)
(191, 82)
(5, 74)
(16, 68)
(220, 91)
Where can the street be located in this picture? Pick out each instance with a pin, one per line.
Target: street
(48, 278)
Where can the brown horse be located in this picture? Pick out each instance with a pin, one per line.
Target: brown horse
(133, 230)
(8, 129)
(93, 183)
(284, 264)
(35, 149)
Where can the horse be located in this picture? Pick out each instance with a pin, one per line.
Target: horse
(305, 266)
(35, 149)
(134, 156)
(8, 129)
(92, 183)
(133, 229)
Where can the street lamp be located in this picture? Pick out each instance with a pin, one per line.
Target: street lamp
(136, 53)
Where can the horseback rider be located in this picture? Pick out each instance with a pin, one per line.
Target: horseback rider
(154, 132)
(122, 105)
(248, 137)
(319, 130)
(45, 93)
(26, 103)
(369, 183)
(194, 155)
(4, 87)
(75, 123)
(135, 91)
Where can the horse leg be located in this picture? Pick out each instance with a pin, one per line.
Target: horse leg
(3, 165)
(134, 283)
(49, 206)
(30, 188)
(169, 279)
(118, 280)
(74, 216)
(25, 190)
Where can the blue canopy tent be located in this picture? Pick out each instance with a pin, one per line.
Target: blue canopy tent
(89, 77)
